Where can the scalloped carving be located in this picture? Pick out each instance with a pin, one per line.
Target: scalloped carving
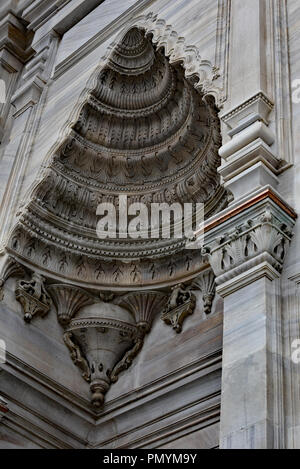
(204, 74)
(144, 306)
(68, 300)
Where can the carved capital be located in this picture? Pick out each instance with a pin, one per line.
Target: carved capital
(261, 235)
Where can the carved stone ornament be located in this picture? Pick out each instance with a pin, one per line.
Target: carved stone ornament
(180, 305)
(103, 338)
(11, 268)
(143, 305)
(98, 337)
(33, 297)
(263, 238)
(207, 285)
(68, 299)
(144, 132)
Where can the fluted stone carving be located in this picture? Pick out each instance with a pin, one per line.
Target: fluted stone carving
(33, 297)
(68, 299)
(144, 305)
(11, 268)
(180, 305)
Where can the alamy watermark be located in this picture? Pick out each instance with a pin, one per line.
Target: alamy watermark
(154, 221)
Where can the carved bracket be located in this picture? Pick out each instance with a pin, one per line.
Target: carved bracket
(180, 305)
(68, 300)
(33, 297)
(104, 337)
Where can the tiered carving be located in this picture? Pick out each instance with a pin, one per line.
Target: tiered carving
(180, 305)
(205, 74)
(33, 297)
(11, 268)
(262, 239)
(206, 283)
(144, 132)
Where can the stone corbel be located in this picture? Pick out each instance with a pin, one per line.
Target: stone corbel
(33, 297)
(104, 336)
(180, 305)
(143, 305)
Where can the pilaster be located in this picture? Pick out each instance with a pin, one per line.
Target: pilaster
(254, 150)
(14, 51)
(246, 247)
(27, 102)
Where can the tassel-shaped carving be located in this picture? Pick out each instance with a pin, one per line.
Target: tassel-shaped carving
(206, 284)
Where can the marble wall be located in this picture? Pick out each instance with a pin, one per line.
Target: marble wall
(171, 395)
